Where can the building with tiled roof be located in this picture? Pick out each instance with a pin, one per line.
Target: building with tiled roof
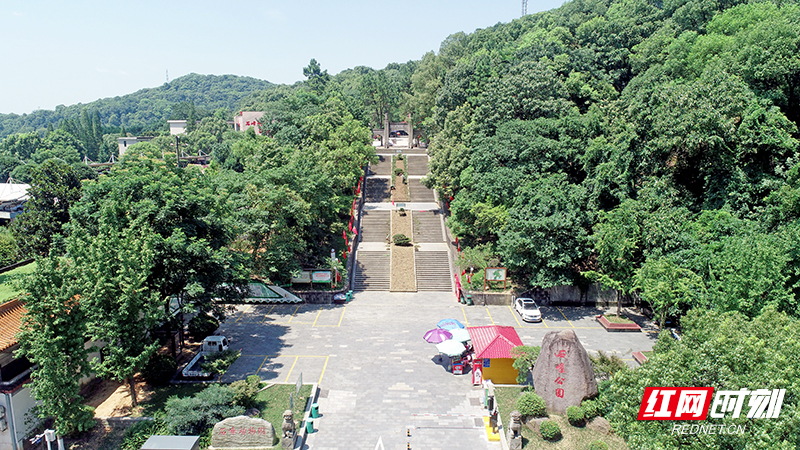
(16, 398)
(493, 346)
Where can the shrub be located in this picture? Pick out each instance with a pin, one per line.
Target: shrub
(531, 405)
(401, 157)
(401, 239)
(159, 369)
(202, 325)
(244, 391)
(138, 433)
(191, 416)
(575, 416)
(593, 408)
(398, 171)
(550, 430)
(598, 445)
(218, 362)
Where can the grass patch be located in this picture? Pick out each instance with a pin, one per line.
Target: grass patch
(274, 401)
(8, 290)
(613, 318)
(572, 437)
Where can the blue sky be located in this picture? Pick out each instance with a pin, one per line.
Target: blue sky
(55, 52)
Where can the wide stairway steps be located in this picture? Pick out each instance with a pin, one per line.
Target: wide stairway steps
(433, 271)
(427, 227)
(375, 226)
(372, 271)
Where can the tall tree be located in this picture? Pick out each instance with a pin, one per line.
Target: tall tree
(54, 188)
(115, 266)
(53, 337)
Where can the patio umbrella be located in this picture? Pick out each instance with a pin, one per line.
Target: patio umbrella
(451, 348)
(437, 335)
(460, 335)
(449, 324)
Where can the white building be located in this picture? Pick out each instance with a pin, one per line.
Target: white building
(177, 127)
(125, 142)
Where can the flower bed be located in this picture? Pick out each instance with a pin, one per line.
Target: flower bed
(617, 326)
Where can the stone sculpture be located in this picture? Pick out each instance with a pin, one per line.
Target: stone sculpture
(514, 436)
(288, 429)
(242, 432)
(563, 375)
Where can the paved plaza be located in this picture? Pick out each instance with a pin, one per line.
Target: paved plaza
(378, 379)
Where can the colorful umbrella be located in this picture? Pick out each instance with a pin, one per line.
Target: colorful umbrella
(460, 335)
(449, 324)
(451, 348)
(437, 335)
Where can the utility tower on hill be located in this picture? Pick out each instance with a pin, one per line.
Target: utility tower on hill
(524, 7)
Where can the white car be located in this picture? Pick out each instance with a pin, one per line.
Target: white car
(528, 310)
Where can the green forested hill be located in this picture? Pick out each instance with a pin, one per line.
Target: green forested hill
(147, 107)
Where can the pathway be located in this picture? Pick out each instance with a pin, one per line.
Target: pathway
(432, 265)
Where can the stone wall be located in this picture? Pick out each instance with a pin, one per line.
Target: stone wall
(318, 297)
(558, 295)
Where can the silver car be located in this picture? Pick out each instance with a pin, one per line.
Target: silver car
(528, 310)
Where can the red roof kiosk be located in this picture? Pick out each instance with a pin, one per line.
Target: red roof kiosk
(493, 346)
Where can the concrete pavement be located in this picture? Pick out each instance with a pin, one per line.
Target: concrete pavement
(378, 379)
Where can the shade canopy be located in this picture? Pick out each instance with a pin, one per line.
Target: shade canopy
(460, 335)
(437, 335)
(449, 324)
(451, 348)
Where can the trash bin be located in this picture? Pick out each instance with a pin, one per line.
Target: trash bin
(309, 425)
(349, 295)
(315, 410)
(469, 300)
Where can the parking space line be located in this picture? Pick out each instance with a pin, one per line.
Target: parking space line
(291, 369)
(515, 315)
(340, 320)
(317, 318)
(466, 322)
(267, 314)
(490, 315)
(295, 312)
(262, 365)
(243, 312)
(323, 370)
(565, 317)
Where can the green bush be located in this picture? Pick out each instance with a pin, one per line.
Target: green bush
(598, 445)
(245, 391)
(8, 248)
(218, 362)
(202, 325)
(138, 433)
(575, 416)
(531, 405)
(401, 239)
(593, 408)
(398, 171)
(159, 369)
(191, 416)
(550, 430)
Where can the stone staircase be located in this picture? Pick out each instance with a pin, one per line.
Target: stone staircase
(375, 226)
(383, 167)
(427, 226)
(378, 190)
(418, 192)
(417, 165)
(433, 271)
(372, 270)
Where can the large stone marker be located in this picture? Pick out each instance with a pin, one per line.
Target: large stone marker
(242, 432)
(563, 375)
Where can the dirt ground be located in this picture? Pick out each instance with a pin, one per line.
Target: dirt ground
(400, 193)
(112, 399)
(403, 276)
